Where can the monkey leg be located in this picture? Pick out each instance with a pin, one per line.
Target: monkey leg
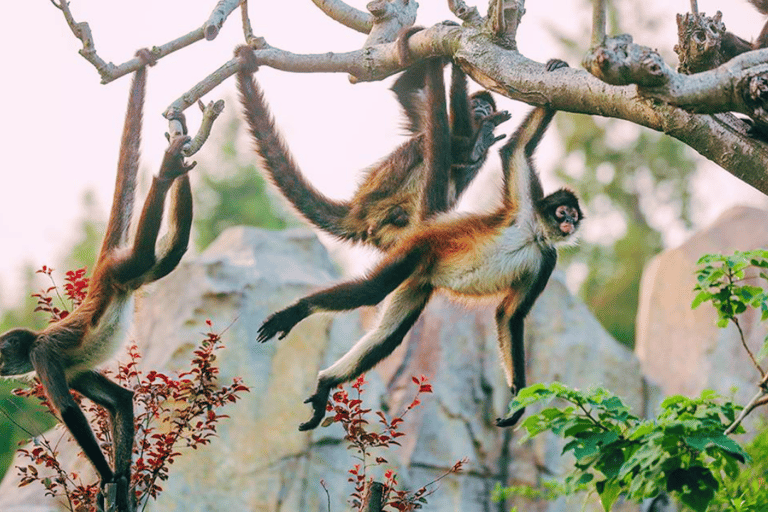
(401, 311)
(509, 324)
(344, 296)
(118, 402)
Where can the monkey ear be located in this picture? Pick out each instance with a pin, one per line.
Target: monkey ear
(245, 55)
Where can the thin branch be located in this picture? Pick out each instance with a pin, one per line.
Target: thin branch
(598, 23)
(694, 7)
(346, 15)
(210, 113)
(467, 14)
(247, 29)
(746, 347)
(109, 71)
(220, 13)
(761, 398)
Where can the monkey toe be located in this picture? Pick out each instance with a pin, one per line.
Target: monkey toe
(510, 421)
(553, 64)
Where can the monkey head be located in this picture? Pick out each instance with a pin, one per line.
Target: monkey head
(14, 352)
(561, 214)
(483, 105)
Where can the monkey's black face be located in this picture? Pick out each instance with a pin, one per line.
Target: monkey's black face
(14, 352)
(562, 214)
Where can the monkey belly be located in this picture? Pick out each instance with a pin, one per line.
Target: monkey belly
(102, 340)
(489, 271)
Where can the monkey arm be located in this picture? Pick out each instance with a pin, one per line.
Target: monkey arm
(141, 257)
(437, 142)
(174, 244)
(118, 401)
(48, 365)
(400, 312)
(344, 296)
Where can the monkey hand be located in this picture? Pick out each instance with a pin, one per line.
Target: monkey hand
(173, 164)
(282, 322)
(553, 64)
(485, 136)
(319, 401)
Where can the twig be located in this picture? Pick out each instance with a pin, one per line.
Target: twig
(744, 344)
(210, 113)
(220, 13)
(694, 7)
(761, 398)
(346, 15)
(465, 13)
(247, 29)
(109, 71)
(598, 23)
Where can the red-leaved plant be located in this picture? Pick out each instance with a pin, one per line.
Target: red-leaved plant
(172, 412)
(349, 412)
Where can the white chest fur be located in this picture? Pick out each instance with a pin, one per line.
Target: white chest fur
(506, 261)
(102, 341)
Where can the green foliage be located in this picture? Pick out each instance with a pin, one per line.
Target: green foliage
(231, 193)
(684, 452)
(748, 492)
(722, 280)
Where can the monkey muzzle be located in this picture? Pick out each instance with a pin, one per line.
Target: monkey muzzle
(568, 225)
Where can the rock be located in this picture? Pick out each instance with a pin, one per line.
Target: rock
(260, 461)
(683, 350)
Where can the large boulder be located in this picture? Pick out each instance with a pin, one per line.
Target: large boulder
(683, 350)
(261, 462)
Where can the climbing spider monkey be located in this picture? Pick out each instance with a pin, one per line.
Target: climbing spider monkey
(508, 253)
(65, 353)
(404, 189)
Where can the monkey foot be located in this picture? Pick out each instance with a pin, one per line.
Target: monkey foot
(510, 421)
(319, 401)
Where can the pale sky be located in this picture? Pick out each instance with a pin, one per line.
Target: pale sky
(61, 130)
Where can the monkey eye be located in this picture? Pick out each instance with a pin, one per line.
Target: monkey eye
(561, 211)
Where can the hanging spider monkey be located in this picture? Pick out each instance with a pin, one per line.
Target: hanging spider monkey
(508, 253)
(65, 353)
(402, 190)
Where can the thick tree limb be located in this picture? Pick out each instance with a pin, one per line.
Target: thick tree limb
(739, 85)
(721, 138)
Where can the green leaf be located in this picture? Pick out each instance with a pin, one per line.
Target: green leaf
(609, 491)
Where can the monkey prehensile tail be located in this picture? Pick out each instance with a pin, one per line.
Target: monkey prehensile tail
(404, 188)
(65, 353)
(508, 253)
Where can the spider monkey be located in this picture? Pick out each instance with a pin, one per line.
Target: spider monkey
(65, 353)
(399, 192)
(508, 253)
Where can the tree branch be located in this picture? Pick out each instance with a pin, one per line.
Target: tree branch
(598, 23)
(346, 15)
(109, 71)
(220, 13)
(721, 138)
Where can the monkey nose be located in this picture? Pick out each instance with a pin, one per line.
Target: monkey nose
(567, 227)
